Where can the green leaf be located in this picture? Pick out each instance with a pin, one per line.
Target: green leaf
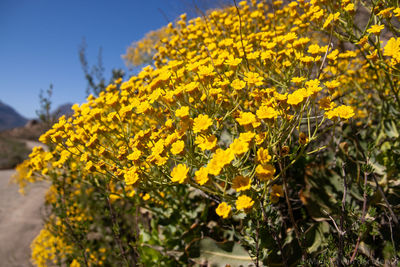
(391, 129)
(319, 237)
(220, 254)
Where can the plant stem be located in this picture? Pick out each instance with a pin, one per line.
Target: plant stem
(394, 217)
(68, 224)
(116, 234)
(296, 229)
(339, 260)
(274, 235)
(257, 245)
(240, 33)
(364, 208)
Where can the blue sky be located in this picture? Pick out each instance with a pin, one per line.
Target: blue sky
(39, 42)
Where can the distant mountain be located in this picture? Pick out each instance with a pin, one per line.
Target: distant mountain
(9, 118)
(32, 129)
(64, 109)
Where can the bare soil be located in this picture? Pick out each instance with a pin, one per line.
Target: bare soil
(20, 219)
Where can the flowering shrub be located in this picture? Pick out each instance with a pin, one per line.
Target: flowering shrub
(248, 134)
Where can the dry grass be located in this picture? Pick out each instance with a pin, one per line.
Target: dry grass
(12, 152)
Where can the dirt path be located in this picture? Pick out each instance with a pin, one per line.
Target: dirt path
(20, 219)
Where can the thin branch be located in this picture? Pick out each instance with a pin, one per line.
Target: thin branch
(70, 228)
(394, 217)
(391, 237)
(326, 54)
(334, 223)
(341, 237)
(296, 229)
(164, 15)
(240, 33)
(274, 235)
(116, 235)
(257, 245)
(364, 209)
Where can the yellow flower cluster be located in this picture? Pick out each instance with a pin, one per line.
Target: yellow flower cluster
(48, 247)
(392, 49)
(141, 52)
(214, 98)
(225, 93)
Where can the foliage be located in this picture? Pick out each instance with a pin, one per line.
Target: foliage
(264, 128)
(142, 52)
(44, 112)
(94, 76)
(12, 152)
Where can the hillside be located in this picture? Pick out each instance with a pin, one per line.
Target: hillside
(64, 109)
(9, 118)
(12, 149)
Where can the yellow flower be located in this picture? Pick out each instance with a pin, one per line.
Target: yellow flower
(131, 176)
(265, 172)
(165, 75)
(219, 160)
(397, 12)
(376, 29)
(349, 8)
(241, 183)
(183, 112)
(206, 142)
(135, 155)
(312, 87)
(306, 59)
(75, 263)
(177, 147)
(333, 55)
(191, 87)
(260, 138)
(246, 118)
(244, 202)
(287, 63)
(285, 151)
(223, 210)
(297, 97)
(201, 123)
(201, 176)
(239, 146)
(332, 84)
(205, 71)
(263, 156)
(179, 173)
(386, 13)
(392, 48)
(146, 197)
(326, 103)
(93, 141)
(238, 84)
(158, 147)
(142, 108)
(313, 49)
(303, 138)
(232, 61)
(297, 79)
(253, 78)
(265, 112)
(344, 112)
(90, 167)
(276, 193)
(331, 17)
(247, 136)
(280, 97)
